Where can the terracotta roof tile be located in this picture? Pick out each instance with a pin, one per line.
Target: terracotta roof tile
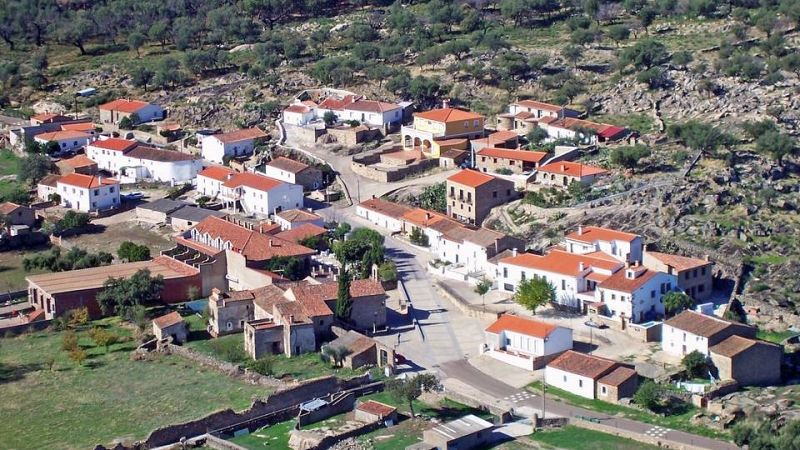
(448, 115)
(61, 135)
(79, 126)
(679, 263)
(376, 408)
(288, 165)
(219, 173)
(735, 345)
(518, 155)
(86, 181)
(618, 376)
(115, 144)
(124, 105)
(167, 320)
(298, 215)
(357, 343)
(251, 244)
(698, 324)
(539, 105)
(300, 109)
(50, 117)
(304, 231)
(521, 325)
(561, 262)
(157, 154)
(385, 207)
(371, 106)
(50, 180)
(245, 134)
(8, 207)
(79, 161)
(471, 178)
(425, 218)
(588, 366)
(252, 180)
(620, 281)
(572, 169)
(590, 235)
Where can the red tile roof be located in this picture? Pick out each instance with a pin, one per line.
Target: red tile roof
(219, 173)
(521, 325)
(590, 235)
(336, 104)
(251, 244)
(300, 109)
(385, 207)
(115, 144)
(618, 376)
(124, 105)
(298, 215)
(471, 178)
(50, 117)
(252, 180)
(79, 161)
(584, 365)
(559, 261)
(425, 218)
(61, 135)
(698, 324)
(327, 291)
(157, 154)
(245, 134)
(86, 181)
(80, 126)
(572, 169)
(376, 408)
(304, 231)
(518, 155)
(50, 180)
(539, 105)
(167, 320)
(288, 165)
(735, 345)
(371, 106)
(448, 115)
(679, 263)
(8, 207)
(620, 281)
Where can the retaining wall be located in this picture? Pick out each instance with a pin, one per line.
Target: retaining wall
(467, 308)
(658, 442)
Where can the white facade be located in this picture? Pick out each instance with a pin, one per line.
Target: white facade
(570, 382)
(647, 299)
(393, 224)
(678, 342)
(559, 340)
(136, 168)
(286, 225)
(375, 119)
(280, 174)
(101, 197)
(299, 117)
(214, 150)
(255, 201)
(66, 143)
(630, 251)
(149, 113)
(209, 187)
(471, 256)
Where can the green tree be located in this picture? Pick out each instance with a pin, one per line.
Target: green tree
(645, 54)
(433, 197)
(120, 295)
(483, 288)
(676, 301)
(103, 337)
(410, 388)
(141, 76)
(534, 292)
(335, 355)
(330, 118)
(33, 168)
(695, 364)
(133, 252)
(341, 230)
(699, 136)
(78, 355)
(388, 271)
(536, 137)
(125, 123)
(289, 266)
(418, 237)
(648, 395)
(572, 53)
(777, 145)
(135, 41)
(629, 156)
(69, 341)
(344, 304)
(618, 33)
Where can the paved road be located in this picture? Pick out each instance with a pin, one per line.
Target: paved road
(465, 372)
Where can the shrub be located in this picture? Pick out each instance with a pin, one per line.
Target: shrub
(695, 364)
(647, 396)
(418, 237)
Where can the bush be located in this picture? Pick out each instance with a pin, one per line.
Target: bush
(418, 237)
(647, 396)
(695, 364)
(132, 252)
(388, 271)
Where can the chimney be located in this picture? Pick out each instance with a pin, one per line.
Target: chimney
(630, 274)
(291, 319)
(580, 230)
(581, 266)
(427, 216)
(563, 168)
(446, 103)
(270, 242)
(707, 258)
(513, 252)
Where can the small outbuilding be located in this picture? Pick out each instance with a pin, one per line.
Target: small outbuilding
(170, 325)
(371, 411)
(748, 361)
(468, 432)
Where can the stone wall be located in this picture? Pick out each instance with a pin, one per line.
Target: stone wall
(302, 135)
(385, 175)
(221, 444)
(466, 307)
(338, 404)
(656, 441)
(229, 369)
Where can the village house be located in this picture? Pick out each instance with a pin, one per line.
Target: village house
(580, 131)
(362, 351)
(185, 218)
(47, 187)
(14, 214)
(439, 125)
(750, 362)
(466, 433)
(59, 292)
(170, 325)
(526, 343)
(47, 117)
(371, 411)
(294, 218)
(133, 162)
(635, 293)
(88, 192)
(625, 247)
(692, 331)
(591, 376)
(294, 172)
(251, 193)
(299, 114)
(452, 158)
(564, 173)
(471, 195)
(136, 111)
(694, 275)
(498, 139)
(383, 213)
(387, 116)
(492, 159)
(77, 164)
(80, 126)
(302, 232)
(573, 276)
(524, 115)
(67, 140)
(217, 147)
(50, 123)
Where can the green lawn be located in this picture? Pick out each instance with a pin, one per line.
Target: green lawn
(679, 420)
(401, 436)
(109, 397)
(12, 275)
(310, 365)
(445, 410)
(575, 438)
(273, 437)
(775, 336)
(9, 162)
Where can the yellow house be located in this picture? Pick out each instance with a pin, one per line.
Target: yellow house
(443, 124)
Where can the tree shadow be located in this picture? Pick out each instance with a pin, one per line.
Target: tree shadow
(105, 49)
(94, 364)
(12, 372)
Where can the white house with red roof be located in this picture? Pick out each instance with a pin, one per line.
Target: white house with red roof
(626, 247)
(573, 276)
(347, 107)
(373, 112)
(133, 161)
(564, 173)
(67, 140)
(136, 110)
(88, 192)
(635, 294)
(526, 343)
(231, 144)
(250, 193)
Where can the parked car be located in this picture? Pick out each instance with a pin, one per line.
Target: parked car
(593, 324)
(134, 196)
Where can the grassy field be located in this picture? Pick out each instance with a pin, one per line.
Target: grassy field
(679, 420)
(274, 437)
(9, 162)
(12, 275)
(109, 397)
(574, 438)
(310, 365)
(775, 336)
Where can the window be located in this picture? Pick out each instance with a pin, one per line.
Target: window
(522, 276)
(580, 383)
(466, 124)
(508, 192)
(603, 390)
(483, 159)
(505, 272)
(563, 285)
(494, 194)
(653, 293)
(701, 288)
(476, 123)
(565, 378)
(495, 160)
(613, 296)
(703, 271)
(97, 192)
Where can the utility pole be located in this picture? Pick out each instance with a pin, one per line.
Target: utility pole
(544, 396)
